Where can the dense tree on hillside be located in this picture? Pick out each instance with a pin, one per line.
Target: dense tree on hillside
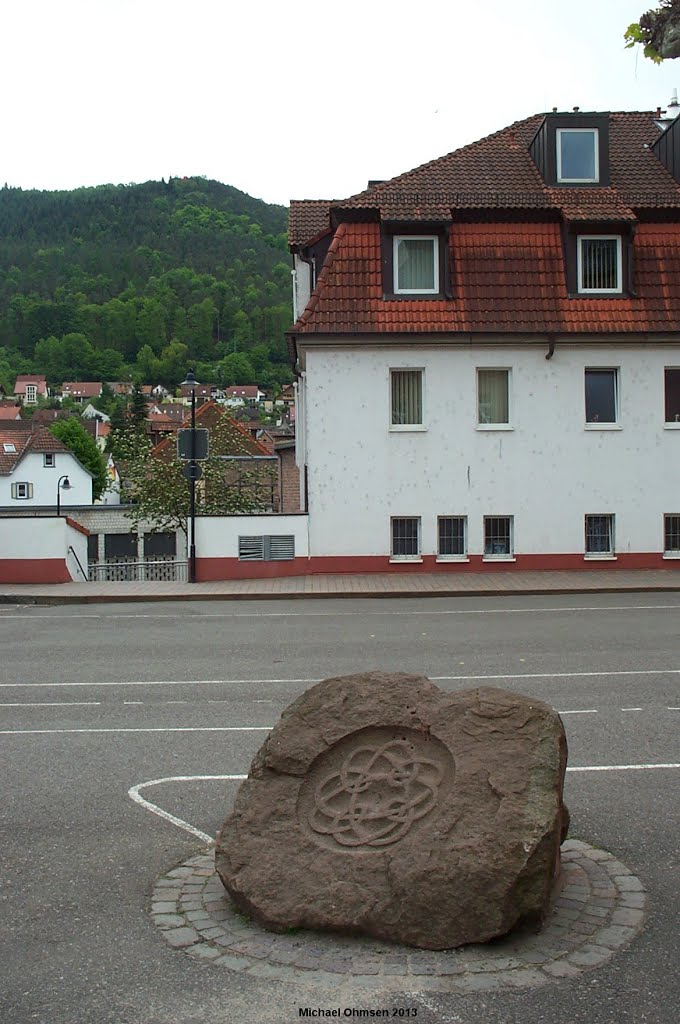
(98, 282)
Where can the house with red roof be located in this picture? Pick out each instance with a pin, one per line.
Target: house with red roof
(29, 387)
(35, 466)
(506, 319)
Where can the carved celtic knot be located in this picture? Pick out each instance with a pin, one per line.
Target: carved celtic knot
(376, 795)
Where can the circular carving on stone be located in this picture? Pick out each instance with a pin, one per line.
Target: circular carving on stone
(369, 789)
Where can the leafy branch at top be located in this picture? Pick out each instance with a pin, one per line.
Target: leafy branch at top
(658, 32)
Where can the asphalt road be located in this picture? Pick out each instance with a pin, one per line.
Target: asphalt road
(96, 700)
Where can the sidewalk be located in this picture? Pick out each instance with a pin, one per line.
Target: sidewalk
(464, 584)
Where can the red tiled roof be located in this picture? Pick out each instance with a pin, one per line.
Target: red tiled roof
(242, 391)
(208, 415)
(506, 278)
(82, 388)
(30, 378)
(25, 439)
(307, 219)
(9, 412)
(507, 269)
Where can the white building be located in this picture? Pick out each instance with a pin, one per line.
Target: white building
(35, 466)
(501, 329)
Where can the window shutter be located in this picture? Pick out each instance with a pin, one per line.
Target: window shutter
(15, 491)
(30, 490)
(251, 549)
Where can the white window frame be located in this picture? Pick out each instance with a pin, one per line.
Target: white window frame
(671, 552)
(463, 556)
(610, 554)
(31, 394)
(579, 265)
(408, 426)
(396, 242)
(508, 377)
(596, 147)
(22, 490)
(604, 424)
(508, 556)
(417, 556)
(49, 460)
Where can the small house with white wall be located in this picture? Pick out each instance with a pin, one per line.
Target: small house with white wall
(35, 466)
(506, 320)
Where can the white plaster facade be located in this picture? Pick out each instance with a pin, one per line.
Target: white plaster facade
(547, 469)
(218, 536)
(46, 543)
(31, 469)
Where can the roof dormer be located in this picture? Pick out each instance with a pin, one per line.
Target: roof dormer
(572, 150)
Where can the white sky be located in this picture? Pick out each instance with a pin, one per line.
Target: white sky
(305, 100)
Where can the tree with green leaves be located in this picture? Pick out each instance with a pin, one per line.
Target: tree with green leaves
(658, 32)
(233, 482)
(73, 434)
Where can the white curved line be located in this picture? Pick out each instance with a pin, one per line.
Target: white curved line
(134, 794)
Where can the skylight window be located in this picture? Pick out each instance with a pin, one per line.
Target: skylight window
(9, 448)
(577, 155)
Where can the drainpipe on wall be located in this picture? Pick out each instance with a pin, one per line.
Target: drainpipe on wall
(551, 346)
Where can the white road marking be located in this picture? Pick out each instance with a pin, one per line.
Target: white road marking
(599, 674)
(134, 794)
(183, 728)
(55, 704)
(133, 702)
(134, 791)
(621, 767)
(590, 711)
(363, 613)
(631, 709)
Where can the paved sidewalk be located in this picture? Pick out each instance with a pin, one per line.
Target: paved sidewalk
(462, 584)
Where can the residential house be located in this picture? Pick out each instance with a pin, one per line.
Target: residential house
(81, 392)
(9, 411)
(29, 387)
(33, 468)
(243, 394)
(506, 320)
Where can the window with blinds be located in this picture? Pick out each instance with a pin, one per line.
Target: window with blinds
(599, 263)
(268, 548)
(493, 397)
(416, 265)
(406, 398)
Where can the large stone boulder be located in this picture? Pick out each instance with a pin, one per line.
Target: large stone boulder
(382, 805)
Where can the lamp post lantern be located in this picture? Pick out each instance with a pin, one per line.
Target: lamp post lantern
(191, 382)
(63, 484)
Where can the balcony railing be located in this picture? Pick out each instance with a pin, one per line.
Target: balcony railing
(128, 570)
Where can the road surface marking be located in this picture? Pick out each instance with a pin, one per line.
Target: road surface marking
(134, 791)
(631, 709)
(182, 728)
(134, 794)
(310, 681)
(590, 711)
(55, 704)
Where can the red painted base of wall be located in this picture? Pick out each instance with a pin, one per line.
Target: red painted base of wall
(232, 569)
(34, 570)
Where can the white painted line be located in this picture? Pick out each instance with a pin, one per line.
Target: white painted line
(672, 709)
(310, 681)
(590, 711)
(198, 728)
(55, 704)
(134, 794)
(133, 702)
(631, 709)
(621, 767)
(364, 613)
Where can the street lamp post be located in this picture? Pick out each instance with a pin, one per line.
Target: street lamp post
(191, 382)
(63, 484)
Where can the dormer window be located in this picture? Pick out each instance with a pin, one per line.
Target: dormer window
(577, 156)
(599, 264)
(416, 264)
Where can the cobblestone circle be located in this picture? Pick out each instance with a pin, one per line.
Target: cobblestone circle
(599, 910)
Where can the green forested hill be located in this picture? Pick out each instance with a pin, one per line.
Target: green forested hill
(142, 281)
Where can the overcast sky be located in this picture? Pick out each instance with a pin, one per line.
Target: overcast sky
(295, 100)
